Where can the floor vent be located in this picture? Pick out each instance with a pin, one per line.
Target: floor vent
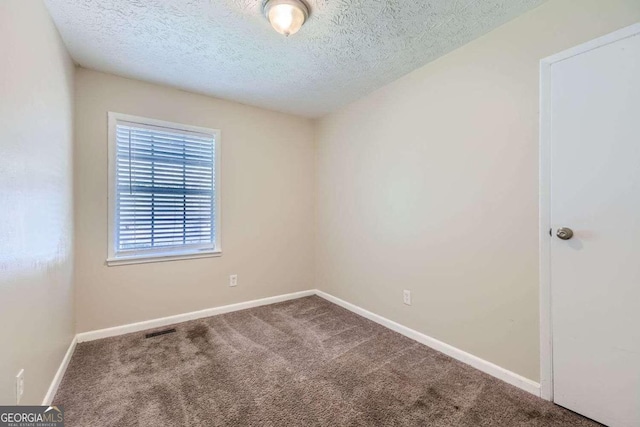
(164, 332)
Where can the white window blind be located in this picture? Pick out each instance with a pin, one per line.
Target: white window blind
(164, 190)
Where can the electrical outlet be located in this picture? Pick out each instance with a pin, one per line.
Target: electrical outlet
(19, 386)
(406, 297)
(233, 280)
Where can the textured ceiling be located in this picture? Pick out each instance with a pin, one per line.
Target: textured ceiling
(227, 49)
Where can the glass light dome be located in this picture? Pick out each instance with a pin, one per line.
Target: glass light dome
(286, 16)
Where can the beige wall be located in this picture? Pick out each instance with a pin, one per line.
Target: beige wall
(36, 131)
(431, 184)
(428, 184)
(267, 206)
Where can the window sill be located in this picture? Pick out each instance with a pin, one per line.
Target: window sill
(143, 259)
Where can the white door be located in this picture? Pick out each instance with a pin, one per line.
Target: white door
(594, 136)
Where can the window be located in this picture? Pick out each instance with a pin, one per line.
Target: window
(164, 201)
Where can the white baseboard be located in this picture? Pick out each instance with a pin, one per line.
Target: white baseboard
(478, 363)
(178, 318)
(57, 379)
(474, 361)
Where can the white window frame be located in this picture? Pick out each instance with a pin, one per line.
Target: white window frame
(144, 256)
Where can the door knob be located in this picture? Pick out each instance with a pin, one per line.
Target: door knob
(564, 233)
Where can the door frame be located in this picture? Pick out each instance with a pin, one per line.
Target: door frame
(546, 324)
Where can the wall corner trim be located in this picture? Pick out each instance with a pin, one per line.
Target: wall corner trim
(57, 379)
(482, 365)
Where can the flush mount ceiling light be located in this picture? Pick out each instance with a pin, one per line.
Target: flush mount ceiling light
(286, 16)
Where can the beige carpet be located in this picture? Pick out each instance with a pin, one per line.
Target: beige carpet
(305, 362)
